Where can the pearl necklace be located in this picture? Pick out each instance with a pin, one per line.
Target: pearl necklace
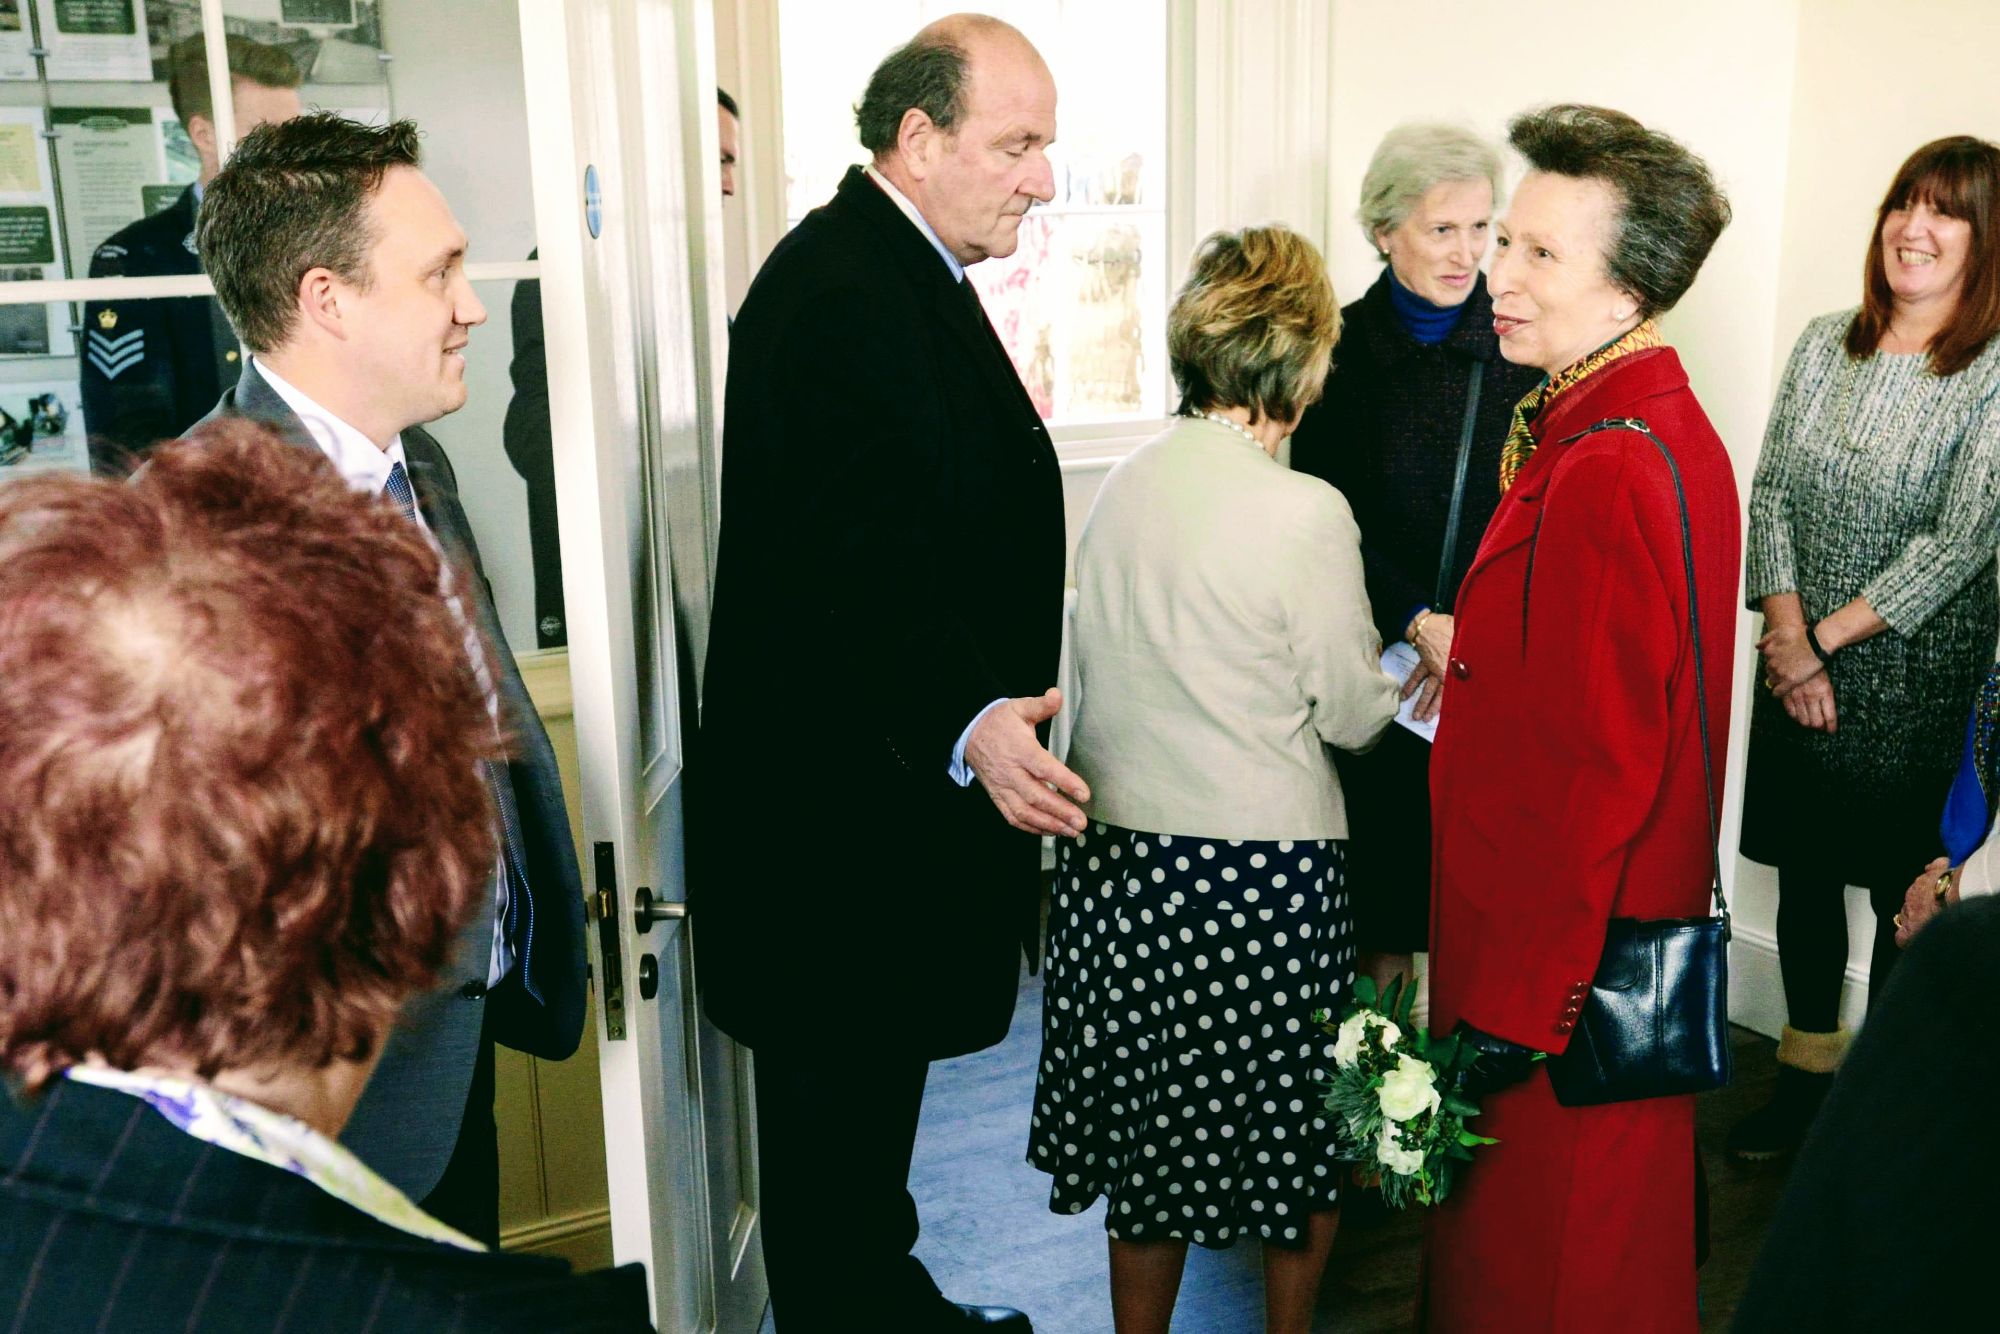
(1237, 427)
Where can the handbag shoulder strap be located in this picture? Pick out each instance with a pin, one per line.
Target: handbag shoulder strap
(1694, 632)
(1448, 557)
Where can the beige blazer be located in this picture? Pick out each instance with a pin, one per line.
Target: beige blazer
(1223, 641)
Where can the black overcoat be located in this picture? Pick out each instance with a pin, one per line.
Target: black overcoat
(891, 562)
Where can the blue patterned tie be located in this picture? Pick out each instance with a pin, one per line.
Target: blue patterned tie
(399, 490)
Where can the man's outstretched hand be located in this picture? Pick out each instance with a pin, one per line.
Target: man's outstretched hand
(1032, 789)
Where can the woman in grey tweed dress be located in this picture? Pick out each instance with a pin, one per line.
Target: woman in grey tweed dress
(1873, 522)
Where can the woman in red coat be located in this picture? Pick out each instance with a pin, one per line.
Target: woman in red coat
(1567, 781)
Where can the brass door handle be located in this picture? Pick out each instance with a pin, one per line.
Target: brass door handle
(646, 910)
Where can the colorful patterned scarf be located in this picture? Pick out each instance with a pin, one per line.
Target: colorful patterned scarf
(1520, 442)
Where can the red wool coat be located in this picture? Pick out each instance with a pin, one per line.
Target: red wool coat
(1567, 789)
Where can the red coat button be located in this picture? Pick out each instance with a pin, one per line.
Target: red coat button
(1459, 669)
(1565, 1026)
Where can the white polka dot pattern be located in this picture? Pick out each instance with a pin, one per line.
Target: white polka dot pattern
(1180, 1069)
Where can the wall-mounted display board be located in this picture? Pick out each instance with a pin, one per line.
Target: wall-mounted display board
(28, 241)
(333, 41)
(96, 40)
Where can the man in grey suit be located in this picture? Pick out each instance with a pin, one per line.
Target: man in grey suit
(342, 269)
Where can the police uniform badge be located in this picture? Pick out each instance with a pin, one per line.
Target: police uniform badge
(110, 354)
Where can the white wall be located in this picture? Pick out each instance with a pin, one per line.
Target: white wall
(457, 72)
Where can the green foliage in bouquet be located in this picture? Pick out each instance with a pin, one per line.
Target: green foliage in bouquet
(1393, 1099)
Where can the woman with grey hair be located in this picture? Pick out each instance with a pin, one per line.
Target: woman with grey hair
(1590, 683)
(1223, 645)
(1409, 430)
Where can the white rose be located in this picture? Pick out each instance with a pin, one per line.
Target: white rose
(1392, 1155)
(1408, 1090)
(1347, 1044)
(1353, 1031)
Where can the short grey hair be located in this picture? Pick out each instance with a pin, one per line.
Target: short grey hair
(927, 74)
(1410, 162)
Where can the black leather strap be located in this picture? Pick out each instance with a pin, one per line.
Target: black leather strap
(1448, 558)
(1694, 631)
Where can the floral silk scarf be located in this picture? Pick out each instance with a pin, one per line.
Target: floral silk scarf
(1520, 442)
(243, 1127)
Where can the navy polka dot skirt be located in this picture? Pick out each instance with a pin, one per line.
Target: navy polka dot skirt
(1180, 1064)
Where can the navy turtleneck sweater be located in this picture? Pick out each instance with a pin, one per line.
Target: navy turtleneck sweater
(1422, 320)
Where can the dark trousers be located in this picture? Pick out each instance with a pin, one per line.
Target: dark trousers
(835, 1130)
(1812, 944)
(467, 1196)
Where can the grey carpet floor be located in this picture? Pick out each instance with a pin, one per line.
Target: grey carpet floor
(988, 1235)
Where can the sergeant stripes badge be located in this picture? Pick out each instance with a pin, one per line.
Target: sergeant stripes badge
(114, 356)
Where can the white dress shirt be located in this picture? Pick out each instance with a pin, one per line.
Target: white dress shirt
(366, 466)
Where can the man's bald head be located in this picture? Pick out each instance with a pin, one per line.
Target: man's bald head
(932, 73)
(959, 119)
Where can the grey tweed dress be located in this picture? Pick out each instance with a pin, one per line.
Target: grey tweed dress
(1882, 480)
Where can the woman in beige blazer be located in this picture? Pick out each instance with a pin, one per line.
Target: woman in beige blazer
(1223, 643)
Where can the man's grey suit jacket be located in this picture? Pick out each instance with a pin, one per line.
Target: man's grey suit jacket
(408, 1120)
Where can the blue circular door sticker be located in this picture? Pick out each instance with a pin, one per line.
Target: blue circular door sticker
(593, 202)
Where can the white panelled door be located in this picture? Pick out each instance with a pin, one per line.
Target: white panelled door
(622, 140)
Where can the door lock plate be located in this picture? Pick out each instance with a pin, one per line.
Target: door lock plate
(607, 942)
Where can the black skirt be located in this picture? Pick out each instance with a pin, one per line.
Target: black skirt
(1181, 1071)
(1388, 796)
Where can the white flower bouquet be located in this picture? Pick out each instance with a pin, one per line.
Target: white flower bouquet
(1393, 1099)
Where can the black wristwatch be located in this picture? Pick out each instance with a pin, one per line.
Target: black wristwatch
(1819, 649)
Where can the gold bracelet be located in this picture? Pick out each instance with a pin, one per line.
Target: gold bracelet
(1417, 627)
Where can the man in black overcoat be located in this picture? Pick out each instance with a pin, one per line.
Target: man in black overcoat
(869, 780)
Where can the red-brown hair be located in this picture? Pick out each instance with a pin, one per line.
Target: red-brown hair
(241, 816)
(1958, 176)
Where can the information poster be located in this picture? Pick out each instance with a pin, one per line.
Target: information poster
(41, 429)
(96, 39)
(15, 40)
(334, 41)
(28, 238)
(317, 13)
(107, 157)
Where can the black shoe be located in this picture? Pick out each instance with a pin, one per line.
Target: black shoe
(1004, 1319)
(1780, 1125)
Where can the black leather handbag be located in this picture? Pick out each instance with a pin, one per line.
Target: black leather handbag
(1656, 1023)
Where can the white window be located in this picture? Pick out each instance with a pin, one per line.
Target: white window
(1081, 305)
